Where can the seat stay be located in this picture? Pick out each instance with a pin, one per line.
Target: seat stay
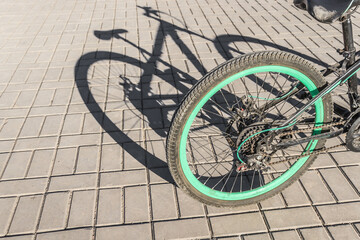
(339, 81)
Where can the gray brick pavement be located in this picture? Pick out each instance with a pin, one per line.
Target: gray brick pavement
(67, 171)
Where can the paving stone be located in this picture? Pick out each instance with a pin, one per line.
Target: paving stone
(221, 211)
(188, 206)
(51, 125)
(44, 97)
(31, 127)
(111, 157)
(62, 96)
(115, 93)
(79, 234)
(357, 226)
(273, 202)
(7, 99)
(160, 175)
(79, 140)
(315, 233)
(14, 112)
(153, 118)
(181, 229)
(291, 218)
(82, 209)
(40, 163)
(70, 182)
(156, 154)
(316, 188)
(135, 204)
(23, 237)
(120, 137)
(11, 128)
(348, 157)
(228, 238)
(87, 159)
(134, 158)
(285, 235)
(36, 111)
(76, 97)
(324, 160)
(90, 123)
(72, 124)
(162, 197)
(112, 121)
(36, 75)
(35, 143)
(132, 119)
(25, 98)
(343, 232)
(17, 164)
(338, 184)
(123, 178)
(3, 160)
(6, 146)
(17, 187)
(65, 161)
(20, 76)
(25, 216)
(52, 74)
(6, 208)
(294, 195)
(109, 206)
(257, 236)
(352, 173)
(134, 231)
(54, 212)
(220, 225)
(340, 213)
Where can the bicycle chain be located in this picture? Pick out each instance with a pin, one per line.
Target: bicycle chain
(287, 133)
(315, 152)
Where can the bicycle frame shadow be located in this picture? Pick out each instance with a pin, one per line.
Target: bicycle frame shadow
(87, 60)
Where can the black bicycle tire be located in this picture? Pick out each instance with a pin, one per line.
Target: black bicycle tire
(210, 80)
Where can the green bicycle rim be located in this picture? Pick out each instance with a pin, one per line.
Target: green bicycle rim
(319, 109)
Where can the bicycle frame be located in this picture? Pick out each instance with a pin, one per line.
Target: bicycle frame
(350, 75)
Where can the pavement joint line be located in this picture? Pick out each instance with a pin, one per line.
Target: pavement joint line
(327, 185)
(139, 223)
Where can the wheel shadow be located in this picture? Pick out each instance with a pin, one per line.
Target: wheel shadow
(135, 90)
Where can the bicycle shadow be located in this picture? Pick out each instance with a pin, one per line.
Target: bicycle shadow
(136, 92)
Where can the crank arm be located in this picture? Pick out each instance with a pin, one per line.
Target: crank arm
(307, 139)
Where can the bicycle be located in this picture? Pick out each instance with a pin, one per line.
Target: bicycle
(254, 124)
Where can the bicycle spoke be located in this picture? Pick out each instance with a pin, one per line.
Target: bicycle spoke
(221, 107)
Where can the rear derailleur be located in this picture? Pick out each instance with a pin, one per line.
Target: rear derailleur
(255, 162)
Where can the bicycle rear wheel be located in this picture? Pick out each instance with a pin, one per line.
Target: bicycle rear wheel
(220, 123)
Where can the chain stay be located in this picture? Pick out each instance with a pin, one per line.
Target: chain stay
(315, 152)
(287, 133)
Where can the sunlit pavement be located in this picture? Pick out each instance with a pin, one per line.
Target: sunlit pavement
(87, 92)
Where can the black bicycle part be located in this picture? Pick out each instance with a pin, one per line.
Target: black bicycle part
(353, 136)
(349, 49)
(349, 76)
(350, 72)
(326, 135)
